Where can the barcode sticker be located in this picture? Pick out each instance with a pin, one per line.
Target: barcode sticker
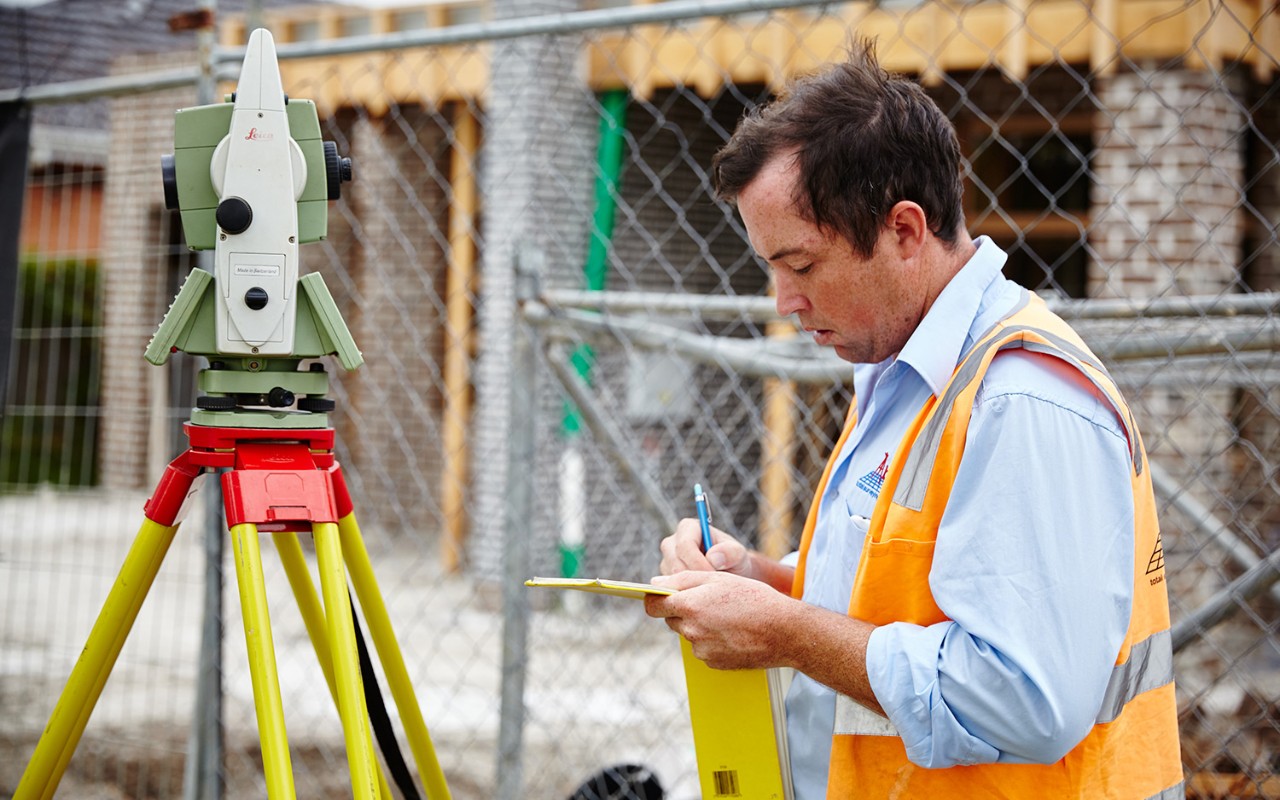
(726, 783)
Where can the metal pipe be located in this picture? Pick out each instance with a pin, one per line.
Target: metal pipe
(202, 778)
(803, 362)
(516, 531)
(718, 307)
(514, 28)
(1216, 532)
(1177, 343)
(1228, 601)
(542, 25)
(106, 86)
(1229, 305)
(762, 309)
(652, 499)
(747, 357)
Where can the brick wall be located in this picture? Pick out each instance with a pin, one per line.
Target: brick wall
(400, 193)
(135, 273)
(1168, 174)
(1169, 219)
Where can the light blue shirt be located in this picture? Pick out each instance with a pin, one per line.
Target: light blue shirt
(1033, 562)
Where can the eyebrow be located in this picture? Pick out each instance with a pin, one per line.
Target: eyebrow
(783, 253)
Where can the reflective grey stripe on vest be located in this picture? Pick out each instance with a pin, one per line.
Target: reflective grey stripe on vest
(1150, 666)
(918, 468)
(1176, 792)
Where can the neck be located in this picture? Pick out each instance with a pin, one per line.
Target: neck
(945, 262)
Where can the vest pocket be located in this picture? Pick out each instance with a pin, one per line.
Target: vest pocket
(892, 584)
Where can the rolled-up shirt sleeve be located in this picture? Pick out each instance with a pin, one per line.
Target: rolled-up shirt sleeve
(1034, 569)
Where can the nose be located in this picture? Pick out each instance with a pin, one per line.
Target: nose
(788, 299)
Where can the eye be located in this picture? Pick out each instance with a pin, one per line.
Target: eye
(802, 270)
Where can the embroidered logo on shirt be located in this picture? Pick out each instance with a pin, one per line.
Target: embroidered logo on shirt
(873, 480)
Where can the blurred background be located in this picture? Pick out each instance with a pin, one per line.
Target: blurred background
(563, 331)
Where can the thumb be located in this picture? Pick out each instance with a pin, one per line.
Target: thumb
(727, 557)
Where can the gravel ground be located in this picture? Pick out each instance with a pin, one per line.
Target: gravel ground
(603, 683)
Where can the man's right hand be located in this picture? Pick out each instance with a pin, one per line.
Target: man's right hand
(682, 551)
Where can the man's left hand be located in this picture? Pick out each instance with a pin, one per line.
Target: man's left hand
(732, 622)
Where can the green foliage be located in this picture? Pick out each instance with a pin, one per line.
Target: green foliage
(49, 430)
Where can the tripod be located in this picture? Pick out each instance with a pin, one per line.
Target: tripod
(251, 178)
(277, 481)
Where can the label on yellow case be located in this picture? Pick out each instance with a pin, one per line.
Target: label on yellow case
(739, 730)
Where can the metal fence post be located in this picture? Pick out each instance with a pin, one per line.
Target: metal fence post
(521, 463)
(202, 775)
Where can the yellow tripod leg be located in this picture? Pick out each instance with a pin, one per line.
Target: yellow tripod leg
(276, 763)
(346, 661)
(295, 567)
(71, 714)
(384, 640)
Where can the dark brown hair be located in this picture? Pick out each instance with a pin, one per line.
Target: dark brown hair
(864, 140)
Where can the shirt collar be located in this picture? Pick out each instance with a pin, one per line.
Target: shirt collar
(968, 305)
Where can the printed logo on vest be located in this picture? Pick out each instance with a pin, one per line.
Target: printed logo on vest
(873, 480)
(1156, 562)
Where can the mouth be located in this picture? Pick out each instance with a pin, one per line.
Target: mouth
(821, 336)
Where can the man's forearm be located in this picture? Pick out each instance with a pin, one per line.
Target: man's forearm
(831, 648)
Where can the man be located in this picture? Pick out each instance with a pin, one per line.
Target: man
(973, 613)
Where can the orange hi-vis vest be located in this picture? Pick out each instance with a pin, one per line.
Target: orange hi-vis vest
(1132, 751)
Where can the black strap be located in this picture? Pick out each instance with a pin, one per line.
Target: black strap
(379, 718)
(15, 134)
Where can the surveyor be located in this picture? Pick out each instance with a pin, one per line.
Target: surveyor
(977, 610)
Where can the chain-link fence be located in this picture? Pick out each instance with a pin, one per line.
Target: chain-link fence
(564, 331)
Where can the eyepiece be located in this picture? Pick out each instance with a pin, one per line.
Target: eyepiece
(337, 170)
(169, 173)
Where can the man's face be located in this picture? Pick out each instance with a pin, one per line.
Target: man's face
(862, 307)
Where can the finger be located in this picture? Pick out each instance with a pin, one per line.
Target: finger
(679, 581)
(682, 550)
(688, 545)
(728, 555)
(670, 563)
(656, 606)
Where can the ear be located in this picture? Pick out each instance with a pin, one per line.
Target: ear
(908, 228)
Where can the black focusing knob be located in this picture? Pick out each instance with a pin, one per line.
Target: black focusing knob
(337, 170)
(256, 298)
(234, 215)
(280, 397)
(216, 402)
(320, 405)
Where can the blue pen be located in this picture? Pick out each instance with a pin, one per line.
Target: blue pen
(704, 515)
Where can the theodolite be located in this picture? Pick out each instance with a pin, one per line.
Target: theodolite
(252, 180)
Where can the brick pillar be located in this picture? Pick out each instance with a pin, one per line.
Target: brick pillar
(539, 156)
(1168, 171)
(1168, 220)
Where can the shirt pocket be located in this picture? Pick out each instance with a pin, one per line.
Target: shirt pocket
(855, 532)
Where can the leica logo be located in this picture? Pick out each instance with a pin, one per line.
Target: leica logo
(255, 136)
